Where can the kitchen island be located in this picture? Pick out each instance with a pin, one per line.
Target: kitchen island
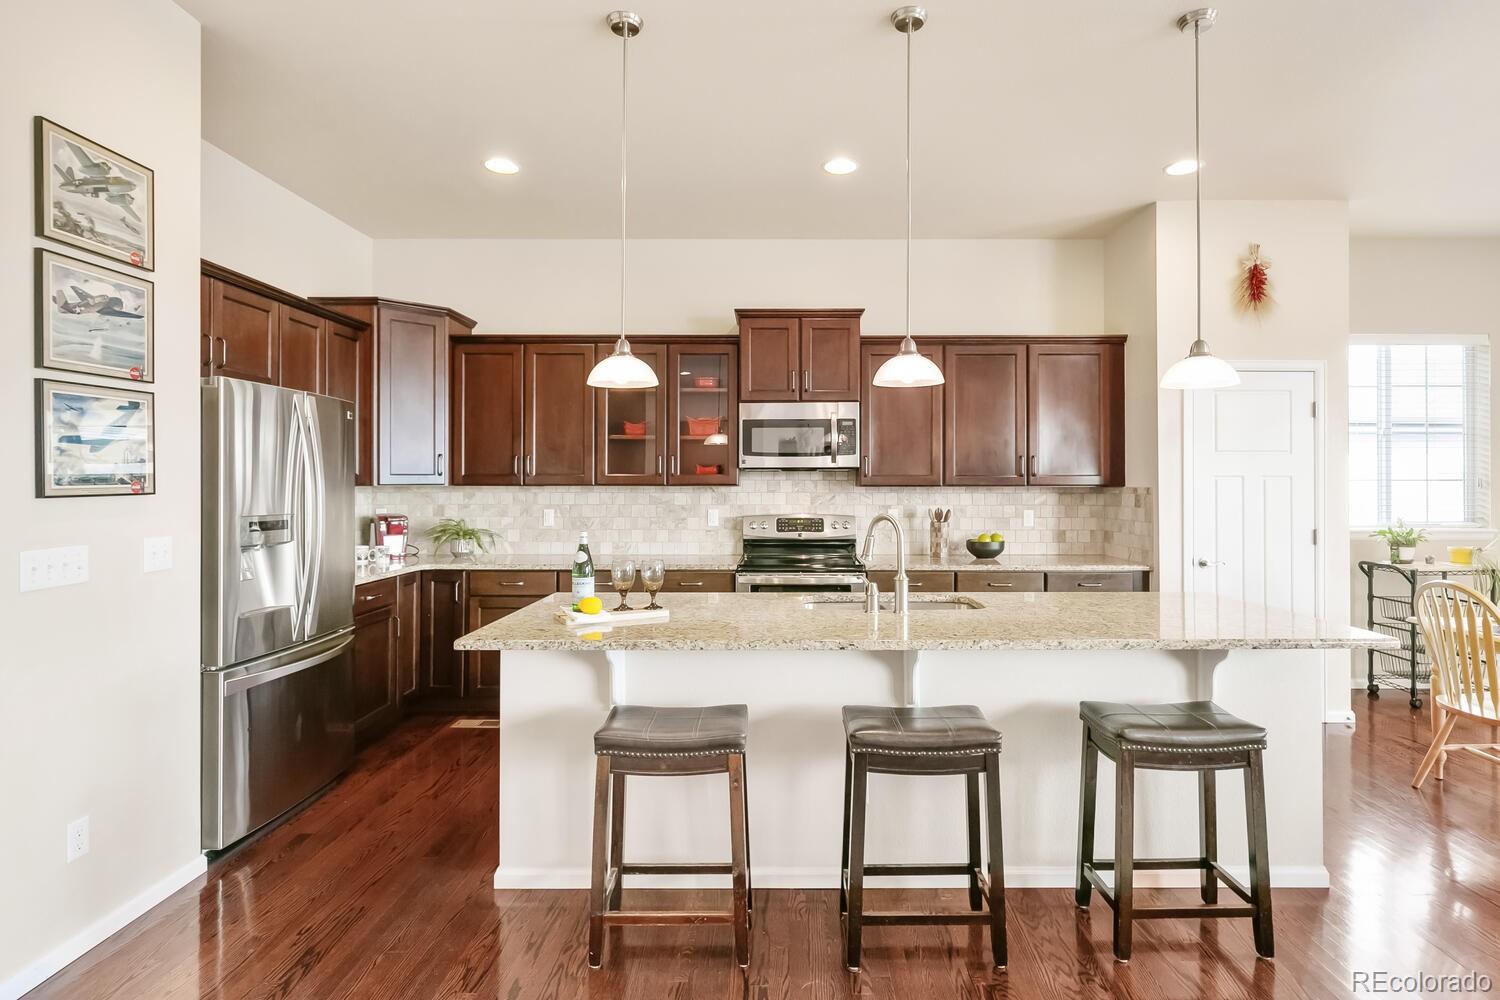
(1025, 659)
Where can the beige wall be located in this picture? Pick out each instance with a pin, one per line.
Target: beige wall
(1308, 245)
(259, 228)
(100, 708)
(1421, 288)
(693, 286)
(1130, 308)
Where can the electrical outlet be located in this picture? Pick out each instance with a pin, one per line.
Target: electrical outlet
(78, 838)
(549, 518)
(157, 554)
(44, 568)
(1028, 518)
(713, 517)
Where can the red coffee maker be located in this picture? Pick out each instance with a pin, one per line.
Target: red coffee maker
(390, 534)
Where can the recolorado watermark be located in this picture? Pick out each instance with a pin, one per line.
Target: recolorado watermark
(1420, 983)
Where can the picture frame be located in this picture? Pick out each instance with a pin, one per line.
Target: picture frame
(94, 440)
(91, 197)
(94, 319)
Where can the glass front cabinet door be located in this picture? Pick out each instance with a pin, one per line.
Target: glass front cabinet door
(704, 415)
(632, 441)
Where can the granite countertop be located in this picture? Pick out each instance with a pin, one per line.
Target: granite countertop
(957, 560)
(1003, 621)
(1430, 569)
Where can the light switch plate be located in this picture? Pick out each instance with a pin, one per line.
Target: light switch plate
(713, 517)
(549, 518)
(42, 569)
(156, 554)
(1028, 518)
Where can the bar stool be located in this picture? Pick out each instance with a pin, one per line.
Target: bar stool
(1190, 736)
(641, 739)
(952, 739)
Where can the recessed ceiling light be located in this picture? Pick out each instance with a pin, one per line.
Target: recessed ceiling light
(841, 165)
(1182, 168)
(501, 165)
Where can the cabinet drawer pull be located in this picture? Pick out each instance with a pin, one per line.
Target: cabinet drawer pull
(512, 583)
(807, 380)
(791, 380)
(913, 586)
(999, 585)
(515, 465)
(674, 465)
(867, 465)
(658, 465)
(398, 626)
(690, 583)
(368, 597)
(1085, 583)
(440, 463)
(1020, 465)
(1033, 465)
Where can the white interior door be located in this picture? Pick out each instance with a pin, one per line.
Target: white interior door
(1254, 491)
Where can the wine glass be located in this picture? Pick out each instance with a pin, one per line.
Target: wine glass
(653, 575)
(622, 578)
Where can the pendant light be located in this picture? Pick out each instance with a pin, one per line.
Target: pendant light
(1200, 369)
(909, 369)
(623, 370)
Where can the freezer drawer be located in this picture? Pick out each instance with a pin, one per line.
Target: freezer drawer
(274, 732)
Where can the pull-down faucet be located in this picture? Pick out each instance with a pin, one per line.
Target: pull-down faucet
(900, 597)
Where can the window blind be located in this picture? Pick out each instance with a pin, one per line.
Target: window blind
(1419, 432)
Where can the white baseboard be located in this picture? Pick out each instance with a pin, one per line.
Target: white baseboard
(1339, 717)
(33, 975)
(1031, 877)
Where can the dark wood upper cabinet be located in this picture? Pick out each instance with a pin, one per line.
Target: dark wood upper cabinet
(984, 415)
(1076, 414)
(302, 350)
(559, 415)
(243, 326)
(487, 413)
(791, 354)
(703, 415)
(349, 373)
(770, 358)
(901, 430)
(631, 431)
(830, 357)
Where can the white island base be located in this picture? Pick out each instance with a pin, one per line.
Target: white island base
(553, 700)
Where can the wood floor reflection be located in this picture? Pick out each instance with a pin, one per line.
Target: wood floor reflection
(381, 890)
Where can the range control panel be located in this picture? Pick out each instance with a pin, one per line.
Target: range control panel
(799, 526)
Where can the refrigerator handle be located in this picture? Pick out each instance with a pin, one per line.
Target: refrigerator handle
(317, 496)
(297, 499)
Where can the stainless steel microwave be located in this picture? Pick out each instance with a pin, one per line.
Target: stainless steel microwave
(799, 435)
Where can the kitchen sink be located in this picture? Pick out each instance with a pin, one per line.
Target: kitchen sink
(916, 603)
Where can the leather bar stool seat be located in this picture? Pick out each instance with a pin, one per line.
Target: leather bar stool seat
(1189, 725)
(951, 729)
(646, 729)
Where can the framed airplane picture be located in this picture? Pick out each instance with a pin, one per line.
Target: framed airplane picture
(93, 319)
(93, 198)
(94, 441)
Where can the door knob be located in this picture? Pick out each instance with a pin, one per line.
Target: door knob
(1204, 563)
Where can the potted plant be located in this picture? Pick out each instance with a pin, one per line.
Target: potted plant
(1403, 540)
(460, 538)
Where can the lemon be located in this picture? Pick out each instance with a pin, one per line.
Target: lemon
(590, 606)
(593, 636)
(982, 538)
(995, 536)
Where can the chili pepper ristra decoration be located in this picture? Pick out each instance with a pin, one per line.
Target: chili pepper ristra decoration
(1253, 288)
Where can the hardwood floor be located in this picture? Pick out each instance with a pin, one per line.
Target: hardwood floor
(381, 890)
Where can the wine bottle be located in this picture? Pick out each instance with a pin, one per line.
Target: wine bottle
(583, 569)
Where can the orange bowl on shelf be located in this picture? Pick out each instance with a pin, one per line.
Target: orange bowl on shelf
(707, 470)
(706, 381)
(702, 426)
(633, 429)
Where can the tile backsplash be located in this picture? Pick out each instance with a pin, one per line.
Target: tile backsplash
(675, 521)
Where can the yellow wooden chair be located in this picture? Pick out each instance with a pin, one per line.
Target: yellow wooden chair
(1459, 625)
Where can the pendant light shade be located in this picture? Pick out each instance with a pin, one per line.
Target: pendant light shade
(622, 369)
(1200, 369)
(909, 369)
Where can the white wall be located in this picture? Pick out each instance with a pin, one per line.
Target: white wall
(1420, 288)
(259, 228)
(693, 286)
(99, 714)
(1130, 308)
(1307, 243)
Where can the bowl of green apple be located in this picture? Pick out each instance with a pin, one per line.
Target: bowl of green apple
(985, 546)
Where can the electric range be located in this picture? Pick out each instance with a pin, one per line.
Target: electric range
(799, 553)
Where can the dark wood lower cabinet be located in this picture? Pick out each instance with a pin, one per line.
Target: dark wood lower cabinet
(377, 703)
(442, 624)
(408, 636)
(482, 683)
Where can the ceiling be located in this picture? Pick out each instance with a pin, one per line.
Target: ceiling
(1031, 118)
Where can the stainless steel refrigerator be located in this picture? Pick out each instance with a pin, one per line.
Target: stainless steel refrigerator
(278, 601)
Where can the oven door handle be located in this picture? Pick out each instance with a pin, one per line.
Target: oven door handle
(791, 579)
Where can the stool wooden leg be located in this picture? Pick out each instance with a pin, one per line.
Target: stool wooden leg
(1088, 795)
(844, 859)
(1208, 834)
(1124, 853)
(853, 923)
(976, 857)
(616, 840)
(741, 914)
(997, 855)
(1260, 864)
(600, 861)
(745, 800)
